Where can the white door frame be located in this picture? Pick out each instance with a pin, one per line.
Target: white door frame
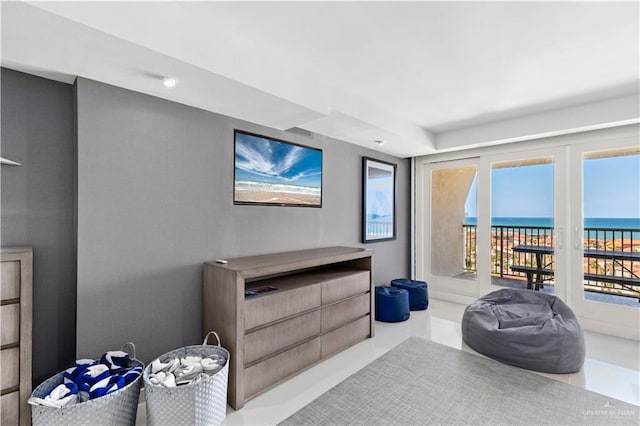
(447, 288)
(462, 290)
(559, 210)
(614, 320)
(622, 321)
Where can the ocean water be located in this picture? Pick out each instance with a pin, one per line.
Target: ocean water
(624, 227)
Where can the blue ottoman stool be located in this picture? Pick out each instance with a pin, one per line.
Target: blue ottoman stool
(392, 304)
(418, 292)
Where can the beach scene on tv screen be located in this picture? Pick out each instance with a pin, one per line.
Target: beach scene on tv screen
(268, 171)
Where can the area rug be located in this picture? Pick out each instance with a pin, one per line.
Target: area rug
(421, 382)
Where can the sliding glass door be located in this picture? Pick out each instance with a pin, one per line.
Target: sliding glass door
(605, 261)
(526, 212)
(562, 219)
(491, 223)
(450, 252)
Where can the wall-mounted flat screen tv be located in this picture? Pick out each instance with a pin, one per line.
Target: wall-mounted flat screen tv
(273, 172)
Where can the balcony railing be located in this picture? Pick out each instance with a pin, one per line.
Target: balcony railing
(505, 238)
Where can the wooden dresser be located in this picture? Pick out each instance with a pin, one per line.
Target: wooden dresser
(281, 313)
(15, 311)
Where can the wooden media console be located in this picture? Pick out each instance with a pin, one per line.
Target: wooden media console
(279, 314)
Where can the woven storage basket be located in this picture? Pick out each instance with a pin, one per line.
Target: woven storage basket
(117, 408)
(201, 403)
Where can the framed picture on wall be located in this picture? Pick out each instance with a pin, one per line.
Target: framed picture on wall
(378, 200)
(276, 173)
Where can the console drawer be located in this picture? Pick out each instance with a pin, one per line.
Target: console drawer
(270, 371)
(10, 272)
(343, 287)
(10, 320)
(279, 304)
(343, 312)
(10, 404)
(346, 336)
(10, 375)
(268, 340)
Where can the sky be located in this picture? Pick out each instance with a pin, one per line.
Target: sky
(264, 160)
(611, 190)
(612, 187)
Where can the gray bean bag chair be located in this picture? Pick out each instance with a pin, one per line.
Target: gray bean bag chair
(525, 328)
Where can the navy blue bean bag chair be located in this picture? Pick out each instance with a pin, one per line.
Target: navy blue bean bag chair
(392, 304)
(525, 328)
(418, 292)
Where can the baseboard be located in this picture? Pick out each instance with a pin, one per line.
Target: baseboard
(618, 330)
(448, 297)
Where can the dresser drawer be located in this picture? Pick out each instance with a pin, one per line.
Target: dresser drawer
(346, 336)
(268, 340)
(16, 270)
(10, 320)
(344, 312)
(10, 280)
(277, 305)
(10, 374)
(10, 407)
(345, 286)
(272, 370)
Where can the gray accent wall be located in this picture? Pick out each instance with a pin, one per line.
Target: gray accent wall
(155, 201)
(38, 207)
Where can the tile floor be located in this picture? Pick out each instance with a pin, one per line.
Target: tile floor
(612, 366)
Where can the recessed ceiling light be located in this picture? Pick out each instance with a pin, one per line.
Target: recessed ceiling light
(169, 82)
(379, 142)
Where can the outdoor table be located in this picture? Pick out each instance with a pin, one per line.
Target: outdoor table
(630, 282)
(538, 273)
(535, 274)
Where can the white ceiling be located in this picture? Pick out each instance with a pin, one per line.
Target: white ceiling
(402, 72)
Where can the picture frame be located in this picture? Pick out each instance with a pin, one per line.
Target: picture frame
(273, 172)
(378, 200)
